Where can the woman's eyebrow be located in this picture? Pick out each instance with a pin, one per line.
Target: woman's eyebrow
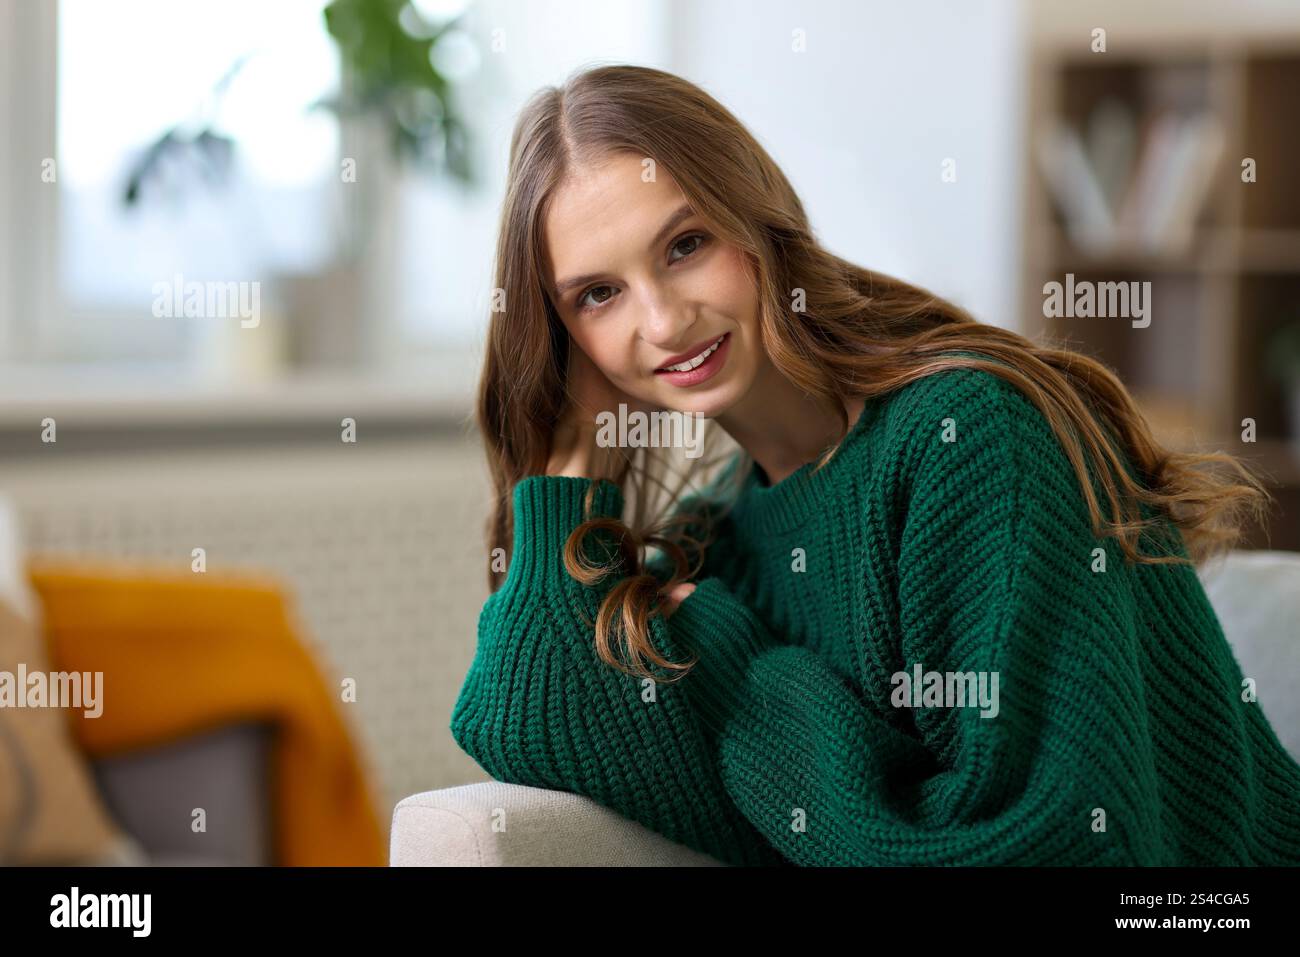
(682, 213)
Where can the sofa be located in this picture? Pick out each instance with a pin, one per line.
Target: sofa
(1256, 595)
(216, 739)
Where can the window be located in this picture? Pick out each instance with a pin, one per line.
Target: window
(128, 72)
(102, 81)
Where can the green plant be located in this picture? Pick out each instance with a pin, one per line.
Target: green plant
(388, 51)
(193, 143)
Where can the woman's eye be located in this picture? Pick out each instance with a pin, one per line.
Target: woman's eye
(591, 299)
(696, 238)
(599, 301)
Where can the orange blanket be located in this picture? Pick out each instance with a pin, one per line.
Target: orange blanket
(187, 653)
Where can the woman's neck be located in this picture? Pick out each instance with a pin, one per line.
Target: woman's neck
(782, 428)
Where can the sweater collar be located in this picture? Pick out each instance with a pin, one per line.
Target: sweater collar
(770, 509)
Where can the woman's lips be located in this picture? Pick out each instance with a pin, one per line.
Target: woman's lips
(705, 370)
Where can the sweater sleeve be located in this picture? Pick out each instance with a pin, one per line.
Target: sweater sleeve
(540, 708)
(996, 576)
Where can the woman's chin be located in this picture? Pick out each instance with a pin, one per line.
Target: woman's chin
(713, 404)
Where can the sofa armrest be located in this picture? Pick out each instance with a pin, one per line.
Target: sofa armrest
(493, 824)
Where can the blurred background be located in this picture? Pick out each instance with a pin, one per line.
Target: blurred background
(298, 464)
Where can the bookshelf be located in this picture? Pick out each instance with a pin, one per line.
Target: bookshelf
(1134, 174)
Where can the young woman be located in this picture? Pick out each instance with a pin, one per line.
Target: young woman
(940, 607)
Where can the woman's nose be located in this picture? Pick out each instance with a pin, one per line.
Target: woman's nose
(665, 316)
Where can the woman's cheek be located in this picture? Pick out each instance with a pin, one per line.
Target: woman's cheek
(621, 370)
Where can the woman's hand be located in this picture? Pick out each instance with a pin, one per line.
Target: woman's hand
(676, 596)
(574, 450)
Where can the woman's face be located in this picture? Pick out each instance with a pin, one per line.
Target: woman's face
(641, 283)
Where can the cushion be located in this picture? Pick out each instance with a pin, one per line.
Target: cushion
(153, 793)
(50, 812)
(1256, 595)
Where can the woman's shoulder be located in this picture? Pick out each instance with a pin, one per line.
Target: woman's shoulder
(964, 434)
(963, 412)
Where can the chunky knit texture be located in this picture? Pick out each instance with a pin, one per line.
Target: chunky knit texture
(1121, 736)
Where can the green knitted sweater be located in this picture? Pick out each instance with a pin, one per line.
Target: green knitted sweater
(948, 535)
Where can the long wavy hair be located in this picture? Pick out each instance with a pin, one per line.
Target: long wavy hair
(860, 334)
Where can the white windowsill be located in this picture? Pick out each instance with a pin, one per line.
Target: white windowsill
(117, 397)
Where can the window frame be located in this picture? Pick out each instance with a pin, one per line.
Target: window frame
(29, 224)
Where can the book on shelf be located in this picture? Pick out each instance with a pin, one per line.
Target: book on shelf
(1147, 200)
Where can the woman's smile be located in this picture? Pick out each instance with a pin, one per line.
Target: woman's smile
(704, 365)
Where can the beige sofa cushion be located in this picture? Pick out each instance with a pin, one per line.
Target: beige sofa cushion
(50, 812)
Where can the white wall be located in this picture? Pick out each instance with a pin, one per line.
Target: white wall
(862, 121)
(448, 236)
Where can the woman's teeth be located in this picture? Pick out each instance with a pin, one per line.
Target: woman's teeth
(692, 363)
